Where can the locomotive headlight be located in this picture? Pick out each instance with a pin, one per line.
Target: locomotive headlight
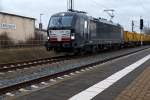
(72, 37)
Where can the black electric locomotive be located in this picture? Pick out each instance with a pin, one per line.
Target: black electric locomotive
(75, 31)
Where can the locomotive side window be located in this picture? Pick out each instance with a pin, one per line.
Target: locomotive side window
(85, 25)
(77, 25)
(86, 29)
(82, 25)
(93, 28)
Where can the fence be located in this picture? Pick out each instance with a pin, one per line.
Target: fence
(21, 44)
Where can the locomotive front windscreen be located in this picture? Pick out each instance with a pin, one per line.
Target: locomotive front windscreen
(65, 21)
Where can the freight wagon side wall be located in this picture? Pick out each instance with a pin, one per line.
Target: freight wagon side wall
(17, 28)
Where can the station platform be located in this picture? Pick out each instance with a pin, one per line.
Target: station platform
(134, 85)
(139, 89)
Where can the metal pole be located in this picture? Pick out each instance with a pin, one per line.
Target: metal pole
(132, 25)
(40, 24)
(41, 18)
(71, 4)
(40, 27)
(141, 37)
(148, 24)
(67, 4)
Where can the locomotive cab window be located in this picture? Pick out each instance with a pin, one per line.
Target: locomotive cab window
(65, 21)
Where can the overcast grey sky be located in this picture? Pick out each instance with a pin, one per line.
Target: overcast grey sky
(125, 10)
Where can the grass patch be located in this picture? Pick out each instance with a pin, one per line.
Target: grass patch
(22, 54)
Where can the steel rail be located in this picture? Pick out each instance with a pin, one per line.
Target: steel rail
(29, 63)
(17, 86)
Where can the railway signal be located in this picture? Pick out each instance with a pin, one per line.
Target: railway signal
(141, 28)
(132, 26)
(141, 24)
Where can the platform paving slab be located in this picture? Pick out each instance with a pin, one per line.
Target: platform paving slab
(139, 89)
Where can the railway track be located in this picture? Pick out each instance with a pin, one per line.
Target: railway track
(30, 63)
(46, 78)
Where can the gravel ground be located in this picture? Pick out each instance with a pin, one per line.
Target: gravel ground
(44, 70)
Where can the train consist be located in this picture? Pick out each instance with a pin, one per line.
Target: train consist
(75, 31)
(135, 39)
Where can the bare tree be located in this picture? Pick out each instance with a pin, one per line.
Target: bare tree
(5, 41)
(1, 5)
(147, 30)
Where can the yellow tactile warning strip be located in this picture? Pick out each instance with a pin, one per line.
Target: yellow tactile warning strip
(139, 89)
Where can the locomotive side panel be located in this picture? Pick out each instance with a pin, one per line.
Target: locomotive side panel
(102, 33)
(81, 30)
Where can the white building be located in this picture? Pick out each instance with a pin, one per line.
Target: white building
(16, 27)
